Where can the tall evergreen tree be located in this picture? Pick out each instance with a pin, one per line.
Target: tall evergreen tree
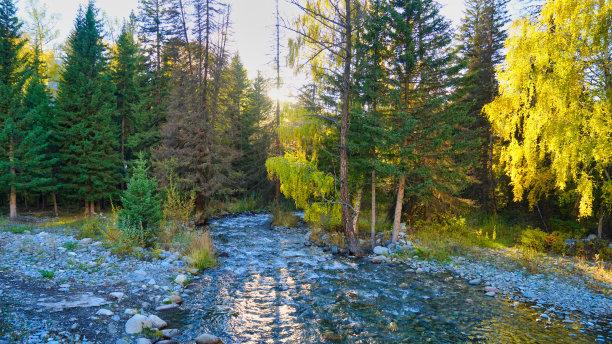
(482, 39)
(425, 144)
(255, 137)
(129, 75)
(24, 164)
(89, 147)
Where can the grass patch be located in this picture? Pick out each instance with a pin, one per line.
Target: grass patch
(18, 229)
(47, 274)
(201, 251)
(71, 245)
(284, 218)
(251, 203)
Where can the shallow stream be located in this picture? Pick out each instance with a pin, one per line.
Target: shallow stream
(271, 288)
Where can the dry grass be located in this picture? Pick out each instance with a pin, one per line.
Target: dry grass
(201, 251)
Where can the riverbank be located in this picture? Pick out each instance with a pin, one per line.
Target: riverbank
(270, 285)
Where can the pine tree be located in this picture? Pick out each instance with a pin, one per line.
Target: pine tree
(255, 137)
(482, 39)
(129, 76)
(426, 145)
(89, 148)
(141, 212)
(24, 163)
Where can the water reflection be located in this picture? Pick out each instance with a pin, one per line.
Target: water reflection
(273, 289)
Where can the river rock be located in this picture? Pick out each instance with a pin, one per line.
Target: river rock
(143, 341)
(86, 241)
(490, 293)
(167, 307)
(475, 281)
(167, 341)
(157, 322)
(379, 259)
(380, 250)
(181, 279)
(490, 289)
(137, 323)
(176, 298)
(105, 312)
(170, 332)
(117, 295)
(208, 339)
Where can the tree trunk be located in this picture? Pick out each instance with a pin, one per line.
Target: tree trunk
(54, 199)
(86, 211)
(373, 212)
(600, 224)
(397, 217)
(13, 203)
(357, 210)
(347, 222)
(13, 195)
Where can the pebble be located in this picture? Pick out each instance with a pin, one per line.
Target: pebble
(117, 295)
(137, 323)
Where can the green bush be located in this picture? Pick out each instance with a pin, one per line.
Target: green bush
(534, 239)
(92, 227)
(141, 213)
(540, 241)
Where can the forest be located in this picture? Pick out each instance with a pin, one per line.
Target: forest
(413, 138)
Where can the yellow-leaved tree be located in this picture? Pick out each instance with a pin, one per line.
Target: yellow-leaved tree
(553, 114)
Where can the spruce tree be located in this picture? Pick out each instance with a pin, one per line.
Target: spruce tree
(24, 164)
(129, 76)
(482, 39)
(426, 143)
(255, 137)
(89, 148)
(141, 208)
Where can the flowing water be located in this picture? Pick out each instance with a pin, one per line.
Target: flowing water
(271, 288)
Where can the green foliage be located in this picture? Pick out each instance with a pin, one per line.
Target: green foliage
(46, 274)
(71, 245)
(18, 229)
(141, 214)
(246, 204)
(91, 227)
(178, 208)
(90, 164)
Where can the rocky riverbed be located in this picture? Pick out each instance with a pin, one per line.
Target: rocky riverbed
(273, 286)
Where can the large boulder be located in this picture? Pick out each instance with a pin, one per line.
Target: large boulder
(137, 323)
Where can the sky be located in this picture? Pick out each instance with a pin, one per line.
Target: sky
(252, 28)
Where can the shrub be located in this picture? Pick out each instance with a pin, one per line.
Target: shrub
(178, 208)
(141, 213)
(92, 227)
(534, 239)
(201, 251)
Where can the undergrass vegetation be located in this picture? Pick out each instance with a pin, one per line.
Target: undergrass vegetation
(201, 251)
(283, 217)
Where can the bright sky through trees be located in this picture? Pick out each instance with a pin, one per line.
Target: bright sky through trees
(252, 26)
